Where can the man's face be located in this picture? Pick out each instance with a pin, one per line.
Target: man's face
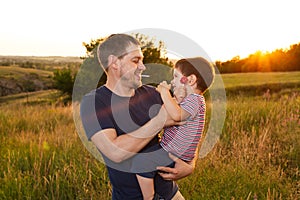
(131, 67)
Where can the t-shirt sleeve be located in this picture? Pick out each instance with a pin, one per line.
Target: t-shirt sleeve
(94, 118)
(191, 105)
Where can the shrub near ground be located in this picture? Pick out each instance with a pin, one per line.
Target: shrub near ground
(257, 156)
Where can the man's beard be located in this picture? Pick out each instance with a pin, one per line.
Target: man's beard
(131, 82)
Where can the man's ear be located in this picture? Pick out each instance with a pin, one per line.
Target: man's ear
(111, 61)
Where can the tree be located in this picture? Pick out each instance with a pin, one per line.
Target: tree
(294, 57)
(158, 66)
(64, 81)
(230, 66)
(278, 60)
(154, 53)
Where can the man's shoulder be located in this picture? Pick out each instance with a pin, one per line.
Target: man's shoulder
(100, 94)
(147, 88)
(149, 93)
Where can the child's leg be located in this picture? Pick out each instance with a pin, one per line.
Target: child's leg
(147, 187)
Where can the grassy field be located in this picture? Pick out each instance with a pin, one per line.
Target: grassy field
(17, 72)
(253, 79)
(257, 157)
(14, 79)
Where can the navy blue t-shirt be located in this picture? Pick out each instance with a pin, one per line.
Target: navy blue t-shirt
(102, 109)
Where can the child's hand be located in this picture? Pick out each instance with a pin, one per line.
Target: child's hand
(163, 87)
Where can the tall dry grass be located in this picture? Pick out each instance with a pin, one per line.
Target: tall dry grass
(43, 158)
(257, 157)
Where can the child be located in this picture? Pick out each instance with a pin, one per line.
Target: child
(195, 75)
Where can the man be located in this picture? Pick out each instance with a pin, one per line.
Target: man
(123, 116)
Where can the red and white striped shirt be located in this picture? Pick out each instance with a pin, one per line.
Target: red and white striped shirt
(182, 140)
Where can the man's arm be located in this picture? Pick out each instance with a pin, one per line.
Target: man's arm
(119, 148)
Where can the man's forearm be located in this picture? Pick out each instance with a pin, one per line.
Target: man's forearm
(131, 143)
(119, 148)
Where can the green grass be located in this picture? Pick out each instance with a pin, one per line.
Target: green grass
(261, 84)
(256, 79)
(258, 155)
(38, 97)
(17, 72)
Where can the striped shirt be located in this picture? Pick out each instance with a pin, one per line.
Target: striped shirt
(182, 140)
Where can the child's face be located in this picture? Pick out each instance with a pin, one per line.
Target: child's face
(177, 76)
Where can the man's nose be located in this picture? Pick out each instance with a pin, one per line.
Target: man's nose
(142, 66)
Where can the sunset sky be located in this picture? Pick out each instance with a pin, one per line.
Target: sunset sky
(224, 29)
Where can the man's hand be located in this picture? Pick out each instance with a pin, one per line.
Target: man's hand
(171, 122)
(181, 169)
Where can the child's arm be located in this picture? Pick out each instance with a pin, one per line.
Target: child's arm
(174, 110)
(147, 187)
(179, 94)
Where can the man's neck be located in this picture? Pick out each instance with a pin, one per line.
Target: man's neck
(120, 89)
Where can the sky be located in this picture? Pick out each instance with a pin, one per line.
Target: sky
(224, 29)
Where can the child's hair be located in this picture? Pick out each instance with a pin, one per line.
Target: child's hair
(200, 67)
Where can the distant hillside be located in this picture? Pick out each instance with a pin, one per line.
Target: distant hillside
(31, 73)
(39, 59)
(45, 63)
(14, 80)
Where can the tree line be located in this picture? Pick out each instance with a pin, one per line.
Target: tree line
(276, 61)
(49, 63)
(157, 63)
(159, 67)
